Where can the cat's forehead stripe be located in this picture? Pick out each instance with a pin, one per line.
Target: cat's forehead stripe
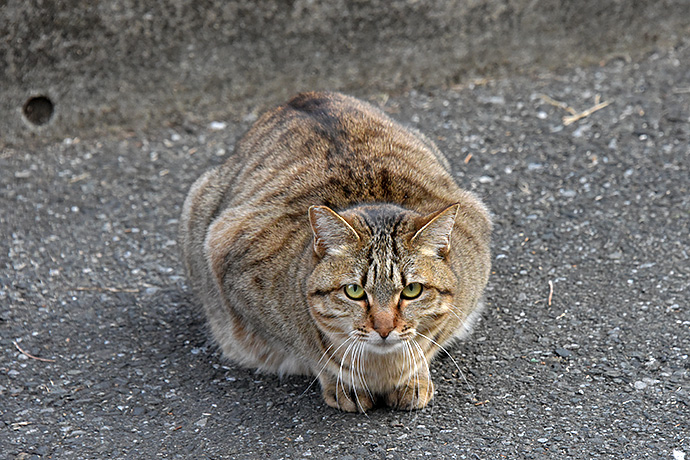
(382, 266)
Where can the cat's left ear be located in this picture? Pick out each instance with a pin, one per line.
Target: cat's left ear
(433, 238)
(332, 233)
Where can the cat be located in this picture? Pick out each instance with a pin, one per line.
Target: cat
(335, 243)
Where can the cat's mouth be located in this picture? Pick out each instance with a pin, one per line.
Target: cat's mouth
(384, 346)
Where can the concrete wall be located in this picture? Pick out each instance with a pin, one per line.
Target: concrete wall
(96, 66)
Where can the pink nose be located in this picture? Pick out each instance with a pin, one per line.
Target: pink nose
(383, 331)
(383, 323)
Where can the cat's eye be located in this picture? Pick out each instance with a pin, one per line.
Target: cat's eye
(411, 291)
(354, 291)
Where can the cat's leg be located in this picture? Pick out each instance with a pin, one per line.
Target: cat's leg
(340, 395)
(413, 394)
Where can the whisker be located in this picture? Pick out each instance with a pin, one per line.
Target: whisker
(426, 363)
(421, 353)
(416, 386)
(327, 361)
(353, 373)
(405, 361)
(415, 375)
(441, 348)
(356, 365)
(362, 370)
(455, 363)
(456, 315)
(463, 322)
(340, 372)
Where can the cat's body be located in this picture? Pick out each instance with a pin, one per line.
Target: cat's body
(323, 246)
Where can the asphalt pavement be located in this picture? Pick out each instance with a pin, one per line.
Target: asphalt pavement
(582, 351)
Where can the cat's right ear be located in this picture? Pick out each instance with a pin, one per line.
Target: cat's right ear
(434, 237)
(332, 234)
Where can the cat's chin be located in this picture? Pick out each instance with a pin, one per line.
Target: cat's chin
(383, 347)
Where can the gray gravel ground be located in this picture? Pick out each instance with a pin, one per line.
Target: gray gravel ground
(599, 210)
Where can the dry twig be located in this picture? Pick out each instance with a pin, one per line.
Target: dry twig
(30, 355)
(569, 120)
(559, 104)
(550, 292)
(574, 114)
(78, 178)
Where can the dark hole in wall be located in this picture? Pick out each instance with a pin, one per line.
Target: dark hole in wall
(38, 110)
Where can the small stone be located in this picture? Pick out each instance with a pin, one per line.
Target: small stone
(640, 385)
(612, 373)
(201, 422)
(496, 100)
(217, 125)
(563, 353)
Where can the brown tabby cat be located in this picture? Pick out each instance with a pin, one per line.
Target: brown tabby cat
(335, 243)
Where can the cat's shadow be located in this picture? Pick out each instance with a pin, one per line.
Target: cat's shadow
(185, 341)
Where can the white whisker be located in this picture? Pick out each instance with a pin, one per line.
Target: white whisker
(362, 370)
(340, 372)
(428, 369)
(455, 363)
(327, 361)
(463, 322)
(456, 315)
(405, 359)
(415, 383)
(357, 368)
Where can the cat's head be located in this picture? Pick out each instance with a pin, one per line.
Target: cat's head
(382, 273)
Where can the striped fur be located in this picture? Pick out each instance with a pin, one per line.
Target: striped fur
(323, 192)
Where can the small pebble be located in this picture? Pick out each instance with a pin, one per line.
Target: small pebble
(563, 353)
(217, 125)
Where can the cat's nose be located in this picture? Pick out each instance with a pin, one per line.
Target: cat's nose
(383, 327)
(384, 332)
(383, 322)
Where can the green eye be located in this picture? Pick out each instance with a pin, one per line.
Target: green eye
(354, 291)
(411, 291)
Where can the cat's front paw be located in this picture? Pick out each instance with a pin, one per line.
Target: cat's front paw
(346, 399)
(416, 394)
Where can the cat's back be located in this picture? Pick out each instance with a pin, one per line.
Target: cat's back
(329, 149)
